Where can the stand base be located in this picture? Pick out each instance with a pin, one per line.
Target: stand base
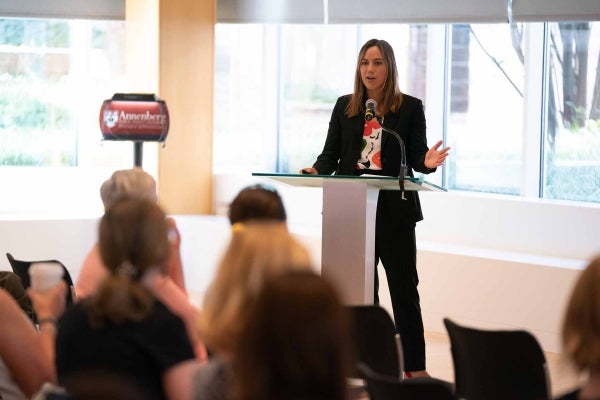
(138, 153)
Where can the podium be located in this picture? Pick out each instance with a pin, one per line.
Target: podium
(348, 229)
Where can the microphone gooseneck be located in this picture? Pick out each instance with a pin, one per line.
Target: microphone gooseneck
(403, 167)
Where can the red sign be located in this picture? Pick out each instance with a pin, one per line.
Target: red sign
(138, 117)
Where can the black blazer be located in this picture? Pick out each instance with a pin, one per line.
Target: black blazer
(343, 145)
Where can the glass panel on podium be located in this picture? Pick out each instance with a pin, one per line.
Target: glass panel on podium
(348, 229)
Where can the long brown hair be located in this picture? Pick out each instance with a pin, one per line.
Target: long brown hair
(295, 343)
(391, 96)
(133, 240)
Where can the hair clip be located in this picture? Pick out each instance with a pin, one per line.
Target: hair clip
(126, 269)
(237, 227)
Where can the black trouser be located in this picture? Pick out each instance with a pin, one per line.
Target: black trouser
(395, 246)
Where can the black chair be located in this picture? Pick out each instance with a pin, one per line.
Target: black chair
(497, 364)
(377, 344)
(21, 268)
(382, 387)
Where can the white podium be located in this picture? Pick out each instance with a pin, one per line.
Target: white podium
(348, 230)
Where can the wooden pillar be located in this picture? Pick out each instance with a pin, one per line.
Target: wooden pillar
(171, 48)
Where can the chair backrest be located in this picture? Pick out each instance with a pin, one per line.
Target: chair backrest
(381, 387)
(21, 268)
(377, 344)
(497, 364)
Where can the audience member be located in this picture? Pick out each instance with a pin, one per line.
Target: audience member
(168, 288)
(127, 182)
(27, 355)
(258, 251)
(256, 203)
(123, 328)
(581, 331)
(295, 343)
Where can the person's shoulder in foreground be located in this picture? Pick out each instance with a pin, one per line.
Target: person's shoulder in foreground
(581, 331)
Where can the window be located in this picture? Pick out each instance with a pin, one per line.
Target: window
(54, 75)
(313, 79)
(518, 103)
(245, 97)
(276, 85)
(485, 110)
(572, 110)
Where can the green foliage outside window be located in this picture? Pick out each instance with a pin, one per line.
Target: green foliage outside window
(34, 128)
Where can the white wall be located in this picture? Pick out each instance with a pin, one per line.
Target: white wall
(503, 262)
(204, 238)
(488, 261)
(67, 240)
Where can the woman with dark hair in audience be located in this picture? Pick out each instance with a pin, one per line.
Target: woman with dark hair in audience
(581, 332)
(256, 203)
(295, 344)
(122, 328)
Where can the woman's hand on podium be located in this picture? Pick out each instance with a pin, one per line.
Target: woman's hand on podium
(309, 171)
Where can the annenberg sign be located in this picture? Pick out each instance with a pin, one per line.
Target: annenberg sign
(132, 116)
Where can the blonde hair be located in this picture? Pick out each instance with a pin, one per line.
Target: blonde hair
(128, 182)
(581, 324)
(255, 253)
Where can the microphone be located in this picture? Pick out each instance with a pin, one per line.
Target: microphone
(371, 106)
(403, 166)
